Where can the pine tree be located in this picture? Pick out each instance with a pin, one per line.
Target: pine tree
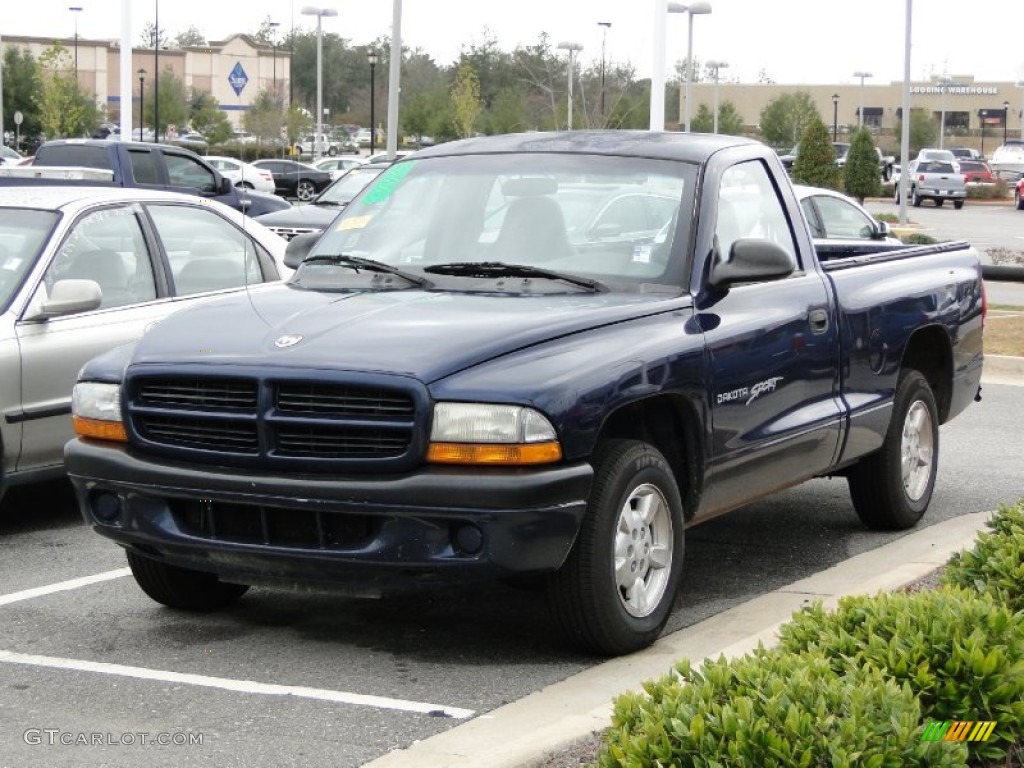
(815, 162)
(860, 173)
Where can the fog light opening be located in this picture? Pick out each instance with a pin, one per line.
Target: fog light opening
(106, 507)
(469, 540)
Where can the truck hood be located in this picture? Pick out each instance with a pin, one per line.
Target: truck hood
(423, 334)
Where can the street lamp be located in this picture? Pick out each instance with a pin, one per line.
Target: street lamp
(1006, 116)
(76, 9)
(273, 41)
(311, 10)
(860, 109)
(571, 48)
(1020, 84)
(142, 84)
(835, 115)
(604, 40)
(372, 57)
(716, 65)
(692, 9)
(944, 83)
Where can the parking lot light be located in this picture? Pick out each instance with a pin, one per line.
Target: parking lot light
(572, 48)
(311, 10)
(860, 109)
(691, 9)
(142, 84)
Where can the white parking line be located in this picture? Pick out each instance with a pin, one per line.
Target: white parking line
(241, 686)
(63, 586)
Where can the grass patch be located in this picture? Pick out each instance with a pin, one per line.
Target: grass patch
(1004, 332)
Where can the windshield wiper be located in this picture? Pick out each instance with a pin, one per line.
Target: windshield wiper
(371, 265)
(501, 269)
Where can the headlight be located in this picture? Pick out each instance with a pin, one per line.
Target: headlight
(96, 411)
(485, 433)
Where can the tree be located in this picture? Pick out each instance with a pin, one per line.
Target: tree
(703, 121)
(64, 108)
(189, 37)
(149, 38)
(815, 162)
(860, 172)
(466, 99)
(267, 31)
(208, 118)
(729, 121)
(22, 78)
(923, 132)
(264, 119)
(784, 118)
(173, 105)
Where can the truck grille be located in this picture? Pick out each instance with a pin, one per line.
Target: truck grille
(376, 423)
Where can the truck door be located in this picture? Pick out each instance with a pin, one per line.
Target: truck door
(189, 175)
(772, 354)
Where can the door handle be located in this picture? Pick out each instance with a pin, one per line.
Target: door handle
(819, 320)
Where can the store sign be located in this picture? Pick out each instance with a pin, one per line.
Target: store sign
(956, 90)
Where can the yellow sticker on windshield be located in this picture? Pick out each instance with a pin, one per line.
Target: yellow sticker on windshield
(386, 183)
(354, 222)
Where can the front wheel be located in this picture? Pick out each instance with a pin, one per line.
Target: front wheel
(615, 591)
(182, 588)
(1017, 200)
(892, 487)
(938, 202)
(305, 190)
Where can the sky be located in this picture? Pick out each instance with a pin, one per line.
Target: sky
(792, 41)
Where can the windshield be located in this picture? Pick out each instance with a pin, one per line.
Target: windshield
(348, 186)
(609, 219)
(22, 235)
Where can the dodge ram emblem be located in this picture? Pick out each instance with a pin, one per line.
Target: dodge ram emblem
(287, 341)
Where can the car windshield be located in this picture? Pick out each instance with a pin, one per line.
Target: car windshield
(604, 218)
(348, 186)
(22, 235)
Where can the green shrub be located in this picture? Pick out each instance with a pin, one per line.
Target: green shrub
(998, 191)
(918, 238)
(996, 563)
(962, 653)
(772, 709)
(888, 218)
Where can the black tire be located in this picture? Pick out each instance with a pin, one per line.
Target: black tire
(332, 151)
(887, 173)
(938, 202)
(181, 587)
(896, 194)
(1017, 201)
(916, 198)
(305, 190)
(891, 488)
(587, 597)
(958, 204)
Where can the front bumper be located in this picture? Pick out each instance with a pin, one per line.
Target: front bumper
(435, 524)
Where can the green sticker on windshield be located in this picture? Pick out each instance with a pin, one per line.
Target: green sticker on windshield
(385, 184)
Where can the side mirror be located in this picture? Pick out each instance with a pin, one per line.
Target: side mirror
(299, 247)
(752, 260)
(225, 186)
(68, 297)
(881, 230)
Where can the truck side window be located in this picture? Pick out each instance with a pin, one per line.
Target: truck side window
(144, 167)
(185, 172)
(749, 207)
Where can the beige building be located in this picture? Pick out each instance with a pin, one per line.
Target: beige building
(968, 105)
(218, 68)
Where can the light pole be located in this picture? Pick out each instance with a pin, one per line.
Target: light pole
(76, 9)
(142, 84)
(716, 65)
(1020, 84)
(944, 83)
(371, 57)
(273, 41)
(692, 9)
(156, 73)
(311, 10)
(571, 48)
(835, 115)
(604, 39)
(860, 109)
(1006, 117)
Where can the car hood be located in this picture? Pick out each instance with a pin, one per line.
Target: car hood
(262, 202)
(307, 215)
(422, 334)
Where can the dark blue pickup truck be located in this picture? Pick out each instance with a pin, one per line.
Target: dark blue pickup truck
(539, 355)
(139, 164)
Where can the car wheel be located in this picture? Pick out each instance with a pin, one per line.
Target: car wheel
(938, 202)
(892, 487)
(916, 198)
(615, 591)
(332, 151)
(887, 173)
(305, 191)
(245, 185)
(958, 204)
(1017, 200)
(182, 588)
(896, 194)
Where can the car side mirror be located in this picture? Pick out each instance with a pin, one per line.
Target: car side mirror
(68, 297)
(881, 231)
(752, 260)
(299, 247)
(225, 186)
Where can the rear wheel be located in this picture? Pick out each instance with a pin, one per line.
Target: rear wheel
(1017, 200)
(615, 591)
(958, 204)
(182, 587)
(938, 202)
(892, 487)
(305, 190)
(916, 198)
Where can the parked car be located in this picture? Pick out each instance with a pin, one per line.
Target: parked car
(362, 137)
(836, 219)
(295, 179)
(10, 156)
(84, 269)
(338, 166)
(965, 153)
(937, 180)
(325, 207)
(382, 157)
(977, 172)
(243, 175)
(1007, 162)
(192, 140)
(943, 155)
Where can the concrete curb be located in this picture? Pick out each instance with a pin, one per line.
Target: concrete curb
(1003, 369)
(523, 733)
